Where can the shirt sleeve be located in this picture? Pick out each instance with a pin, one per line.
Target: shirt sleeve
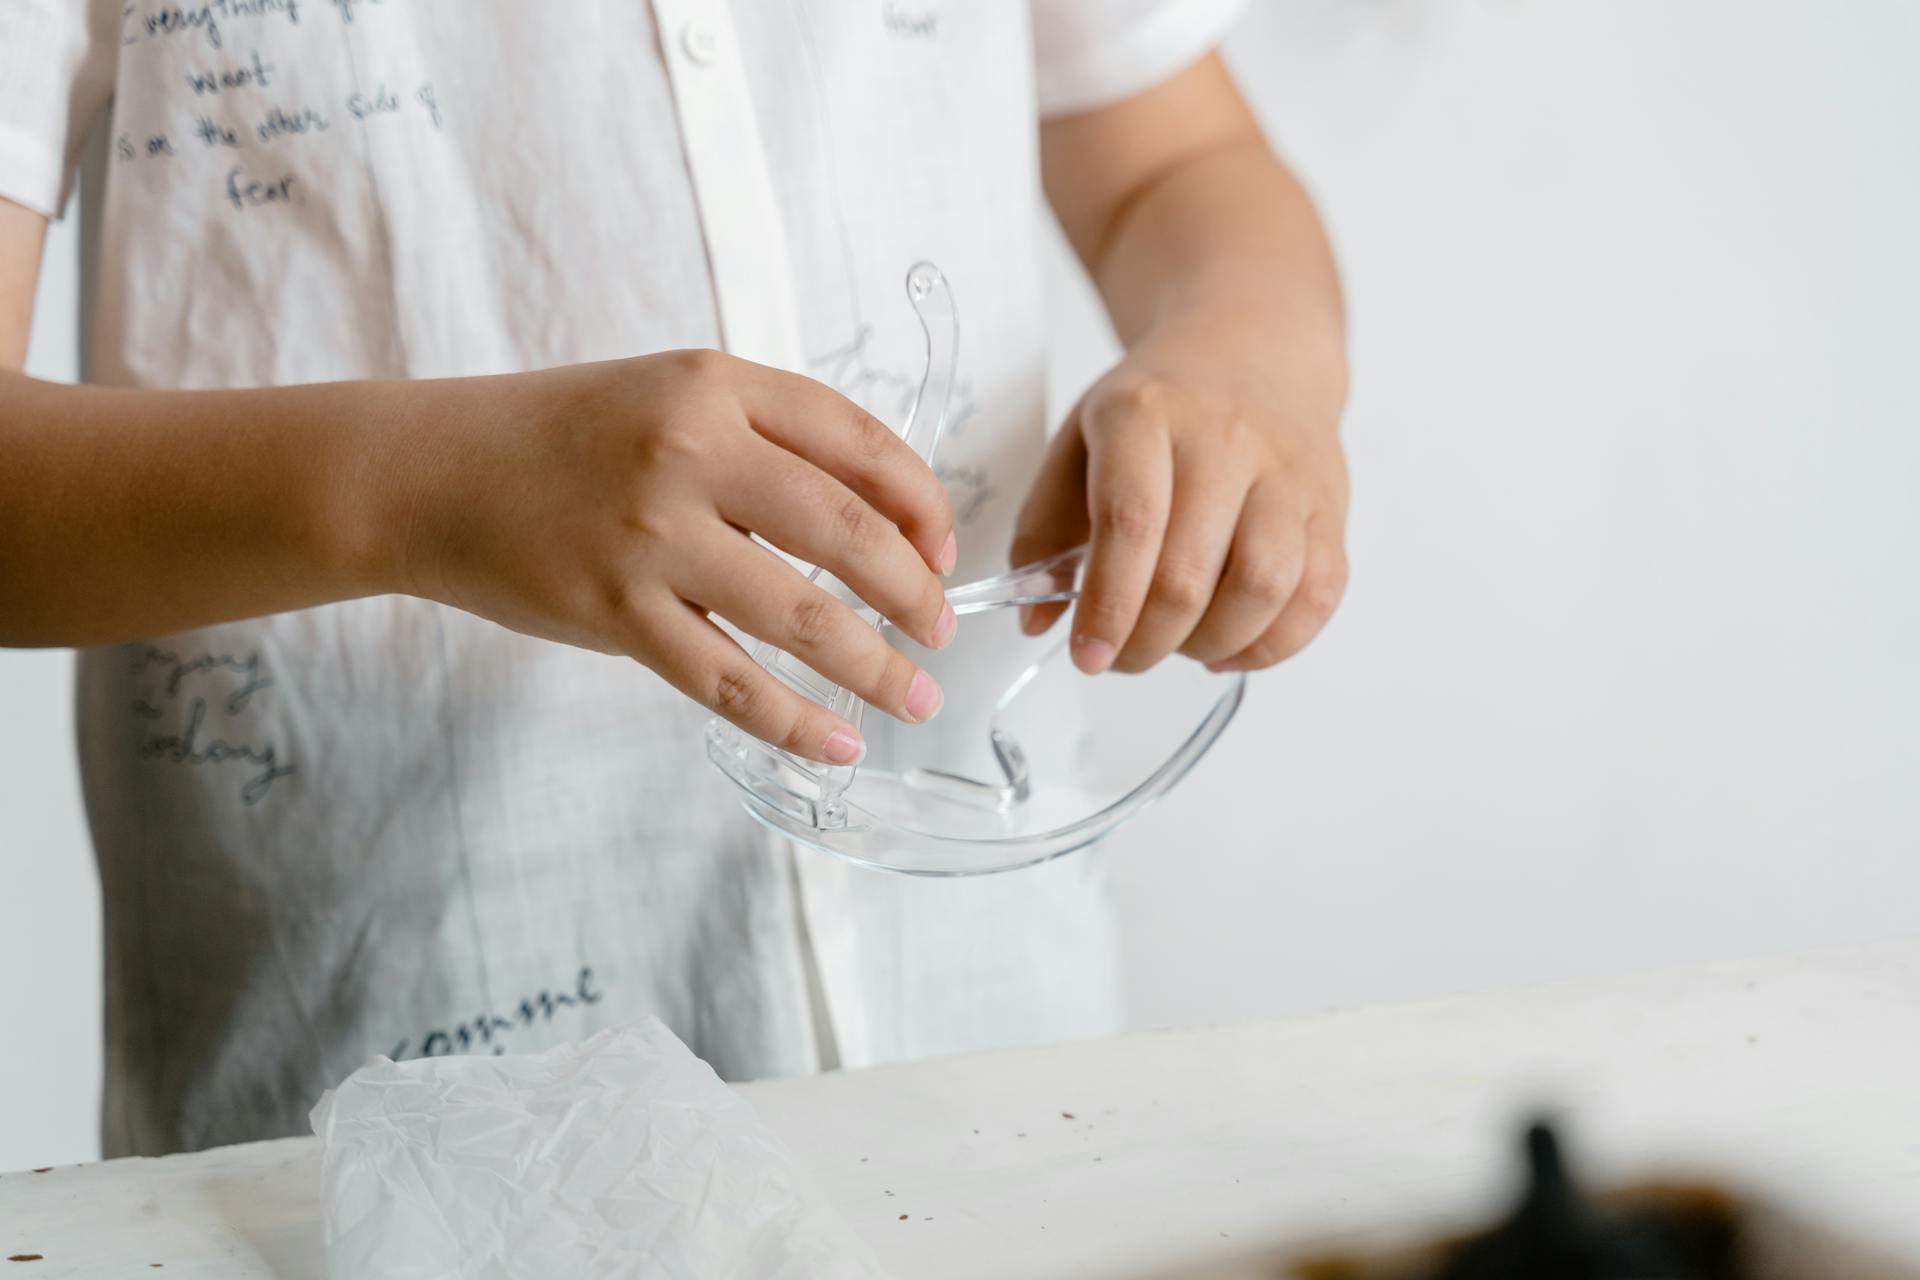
(1089, 53)
(56, 73)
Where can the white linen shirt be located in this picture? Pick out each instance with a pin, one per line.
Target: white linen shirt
(386, 826)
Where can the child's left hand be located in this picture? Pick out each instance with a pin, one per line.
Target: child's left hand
(1206, 470)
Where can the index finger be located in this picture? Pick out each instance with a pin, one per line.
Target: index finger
(819, 424)
(1129, 495)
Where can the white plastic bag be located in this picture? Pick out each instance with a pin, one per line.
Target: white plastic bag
(620, 1156)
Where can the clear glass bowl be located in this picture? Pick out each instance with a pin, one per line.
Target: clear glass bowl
(1027, 760)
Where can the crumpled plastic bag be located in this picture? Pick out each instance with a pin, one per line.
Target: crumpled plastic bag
(622, 1155)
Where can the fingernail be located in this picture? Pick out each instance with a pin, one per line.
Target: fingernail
(943, 630)
(1222, 666)
(844, 747)
(923, 698)
(1092, 656)
(949, 554)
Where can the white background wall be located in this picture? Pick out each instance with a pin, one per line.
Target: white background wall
(1627, 674)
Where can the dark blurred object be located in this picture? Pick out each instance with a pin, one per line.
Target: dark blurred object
(1652, 1231)
(1658, 1228)
(1658, 1233)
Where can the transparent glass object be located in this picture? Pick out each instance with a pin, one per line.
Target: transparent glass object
(1028, 758)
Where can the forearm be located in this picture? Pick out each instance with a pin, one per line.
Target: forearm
(1190, 225)
(130, 513)
(1229, 236)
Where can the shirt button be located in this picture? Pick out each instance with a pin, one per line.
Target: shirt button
(700, 42)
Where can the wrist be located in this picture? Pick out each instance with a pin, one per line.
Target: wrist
(375, 505)
(1259, 353)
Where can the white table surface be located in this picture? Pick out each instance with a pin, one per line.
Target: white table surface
(1215, 1151)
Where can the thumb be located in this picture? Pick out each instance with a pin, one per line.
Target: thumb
(1054, 516)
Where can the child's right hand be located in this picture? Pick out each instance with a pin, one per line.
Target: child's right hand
(609, 506)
